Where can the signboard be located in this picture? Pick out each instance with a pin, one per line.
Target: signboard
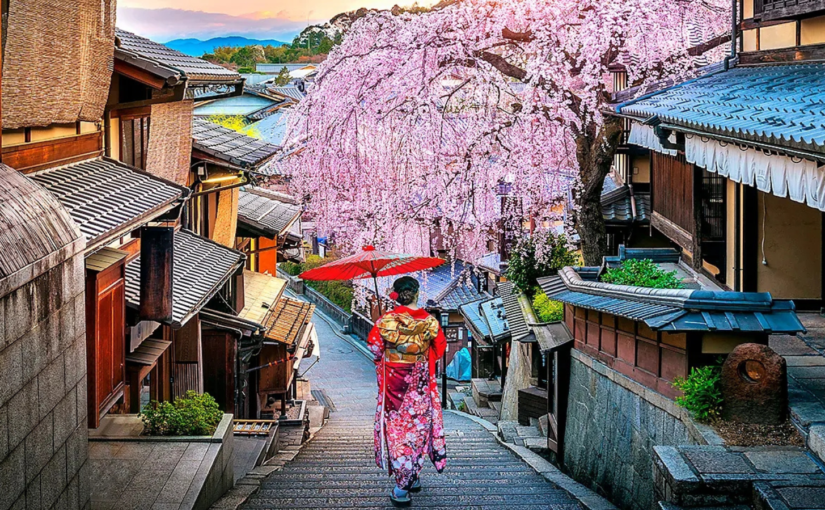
(454, 333)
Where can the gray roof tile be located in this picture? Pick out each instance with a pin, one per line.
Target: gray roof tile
(106, 197)
(267, 211)
(195, 69)
(200, 267)
(231, 146)
(782, 105)
(516, 320)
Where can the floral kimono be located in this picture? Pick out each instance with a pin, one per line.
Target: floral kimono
(408, 422)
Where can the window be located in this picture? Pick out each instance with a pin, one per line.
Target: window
(134, 139)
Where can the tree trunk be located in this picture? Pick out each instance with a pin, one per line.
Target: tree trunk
(595, 147)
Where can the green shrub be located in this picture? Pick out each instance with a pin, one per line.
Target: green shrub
(191, 415)
(536, 256)
(291, 268)
(546, 309)
(702, 395)
(339, 292)
(642, 273)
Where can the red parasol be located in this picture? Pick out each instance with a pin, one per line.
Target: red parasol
(371, 263)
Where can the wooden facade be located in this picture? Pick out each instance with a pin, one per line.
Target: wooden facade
(652, 358)
(106, 331)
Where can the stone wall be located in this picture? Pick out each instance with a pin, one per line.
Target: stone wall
(43, 432)
(613, 423)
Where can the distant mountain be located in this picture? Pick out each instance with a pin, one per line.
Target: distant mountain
(197, 48)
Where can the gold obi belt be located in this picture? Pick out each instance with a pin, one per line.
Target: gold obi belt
(408, 339)
(393, 356)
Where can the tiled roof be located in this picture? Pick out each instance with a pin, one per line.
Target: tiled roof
(200, 267)
(194, 69)
(488, 318)
(516, 321)
(290, 92)
(230, 146)
(472, 315)
(781, 105)
(107, 198)
(675, 310)
(286, 321)
(491, 262)
(267, 211)
(243, 105)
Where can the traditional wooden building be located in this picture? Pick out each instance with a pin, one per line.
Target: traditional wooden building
(289, 337)
(653, 336)
(734, 188)
(489, 334)
(112, 203)
(269, 229)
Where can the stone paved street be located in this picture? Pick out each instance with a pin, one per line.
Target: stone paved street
(336, 469)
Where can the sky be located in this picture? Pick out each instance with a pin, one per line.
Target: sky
(164, 20)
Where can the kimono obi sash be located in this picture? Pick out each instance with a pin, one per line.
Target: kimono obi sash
(407, 338)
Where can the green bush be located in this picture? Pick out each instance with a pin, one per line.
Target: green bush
(702, 395)
(291, 268)
(191, 415)
(536, 256)
(642, 273)
(546, 309)
(339, 292)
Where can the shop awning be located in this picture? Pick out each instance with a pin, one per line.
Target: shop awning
(148, 352)
(200, 267)
(108, 199)
(287, 322)
(261, 293)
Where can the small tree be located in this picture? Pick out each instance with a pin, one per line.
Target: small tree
(536, 256)
(283, 77)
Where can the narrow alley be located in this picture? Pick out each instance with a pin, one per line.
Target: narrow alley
(336, 469)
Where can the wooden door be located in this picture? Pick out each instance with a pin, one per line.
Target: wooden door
(105, 331)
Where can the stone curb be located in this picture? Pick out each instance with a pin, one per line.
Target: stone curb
(586, 497)
(816, 441)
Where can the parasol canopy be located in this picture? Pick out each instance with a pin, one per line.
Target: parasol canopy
(370, 263)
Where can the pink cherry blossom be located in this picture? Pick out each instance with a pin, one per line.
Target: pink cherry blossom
(415, 120)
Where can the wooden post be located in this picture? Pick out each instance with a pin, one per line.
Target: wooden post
(156, 261)
(697, 218)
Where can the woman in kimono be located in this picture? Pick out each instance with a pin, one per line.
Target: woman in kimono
(406, 343)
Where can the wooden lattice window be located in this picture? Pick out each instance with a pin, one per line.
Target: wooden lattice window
(134, 139)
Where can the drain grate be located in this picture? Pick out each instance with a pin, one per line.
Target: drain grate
(325, 400)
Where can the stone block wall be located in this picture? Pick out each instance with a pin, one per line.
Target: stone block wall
(613, 423)
(43, 432)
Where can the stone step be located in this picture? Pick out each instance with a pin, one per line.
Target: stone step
(670, 506)
(358, 491)
(421, 501)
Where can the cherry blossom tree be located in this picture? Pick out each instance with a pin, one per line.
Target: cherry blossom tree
(418, 120)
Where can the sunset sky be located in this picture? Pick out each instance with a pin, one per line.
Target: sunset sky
(164, 20)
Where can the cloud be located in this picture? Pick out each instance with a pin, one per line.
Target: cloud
(166, 24)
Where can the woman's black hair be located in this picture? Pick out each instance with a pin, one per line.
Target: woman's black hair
(407, 289)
